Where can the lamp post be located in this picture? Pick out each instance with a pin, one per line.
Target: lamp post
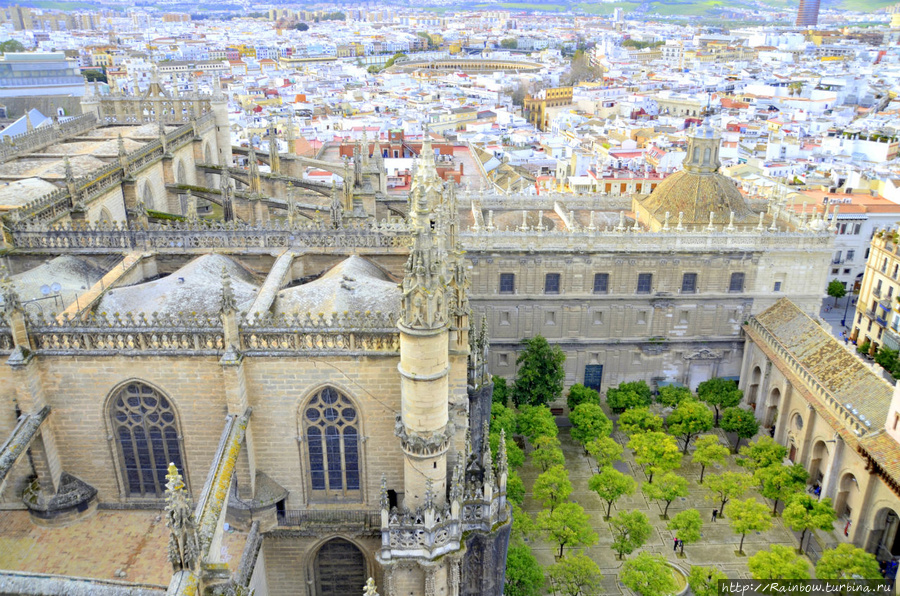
(846, 306)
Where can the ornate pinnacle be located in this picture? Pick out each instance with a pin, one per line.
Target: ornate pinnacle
(229, 305)
(503, 465)
(121, 144)
(184, 551)
(70, 177)
(429, 494)
(456, 486)
(487, 460)
(385, 502)
(370, 588)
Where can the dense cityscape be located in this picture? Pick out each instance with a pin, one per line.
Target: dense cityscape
(449, 298)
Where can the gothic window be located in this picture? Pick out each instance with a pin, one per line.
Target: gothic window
(146, 431)
(331, 426)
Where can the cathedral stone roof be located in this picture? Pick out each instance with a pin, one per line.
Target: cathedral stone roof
(194, 288)
(696, 195)
(353, 285)
(699, 189)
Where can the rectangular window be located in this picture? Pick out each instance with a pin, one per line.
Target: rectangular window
(850, 255)
(846, 272)
(689, 283)
(777, 287)
(551, 283)
(683, 317)
(645, 282)
(550, 318)
(601, 283)
(737, 282)
(504, 317)
(503, 360)
(642, 317)
(835, 271)
(598, 318)
(507, 283)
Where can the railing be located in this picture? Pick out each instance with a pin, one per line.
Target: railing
(361, 519)
(45, 136)
(180, 236)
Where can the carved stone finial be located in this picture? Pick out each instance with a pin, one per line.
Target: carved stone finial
(503, 463)
(762, 215)
(385, 501)
(184, 551)
(369, 588)
(70, 177)
(680, 221)
(121, 146)
(666, 222)
(337, 207)
(28, 125)
(429, 494)
(229, 305)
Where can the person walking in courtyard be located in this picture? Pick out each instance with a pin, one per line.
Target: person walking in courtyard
(715, 514)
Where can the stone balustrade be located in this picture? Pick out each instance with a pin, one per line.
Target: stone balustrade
(44, 136)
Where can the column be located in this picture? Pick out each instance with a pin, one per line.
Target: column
(830, 479)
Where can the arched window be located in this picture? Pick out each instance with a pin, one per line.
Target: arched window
(331, 428)
(146, 431)
(340, 568)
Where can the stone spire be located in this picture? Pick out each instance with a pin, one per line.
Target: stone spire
(184, 551)
(28, 125)
(289, 135)
(229, 305)
(337, 207)
(254, 170)
(274, 160)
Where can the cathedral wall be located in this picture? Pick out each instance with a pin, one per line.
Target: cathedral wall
(17, 478)
(278, 388)
(803, 277)
(113, 201)
(150, 187)
(78, 388)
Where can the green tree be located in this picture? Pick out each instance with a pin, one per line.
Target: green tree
(515, 488)
(781, 482)
(720, 394)
(537, 421)
(740, 422)
(575, 575)
(552, 487)
(648, 575)
(539, 379)
(656, 451)
(748, 516)
(887, 359)
(11, 46)
(510, 43)
(629, 395)
(687, 526)
(704, 581)
(689, 419)
(836, 290)
(668, 487)
(567, 525)
(523, 526)
(589, 423)
(671, 396)
(846, 562)
(547, 452)
(630, 530)
(501, 389)
(804, 513)
(639, 420)
(762, 453)
(503, 418)
(93, 74)
(301, 27)
(524, 575)
(726, 486)
(605, 451)
(610, 484)
(708, 451)
(579, 394)
(779, 562)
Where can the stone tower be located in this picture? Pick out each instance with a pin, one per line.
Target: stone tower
(218, 104)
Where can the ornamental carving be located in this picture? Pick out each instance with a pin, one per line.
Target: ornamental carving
(703, 354)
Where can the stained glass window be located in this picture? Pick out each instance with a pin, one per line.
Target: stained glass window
(146, 432)
(330, 423)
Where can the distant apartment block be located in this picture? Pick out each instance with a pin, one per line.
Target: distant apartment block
(39, 73)
(808, 13)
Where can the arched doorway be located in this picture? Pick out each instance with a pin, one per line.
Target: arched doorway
(753, 391)
(848, 490)
(884, 540)
(340, 569)
(817, 462)
(772, 407)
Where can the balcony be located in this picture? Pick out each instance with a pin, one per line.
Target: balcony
(870, 313)
(322, 520)
(881, 321)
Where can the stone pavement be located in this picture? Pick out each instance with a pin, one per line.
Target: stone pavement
(108, 542)
(716, 548)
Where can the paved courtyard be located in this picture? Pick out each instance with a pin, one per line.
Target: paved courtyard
(717, 546)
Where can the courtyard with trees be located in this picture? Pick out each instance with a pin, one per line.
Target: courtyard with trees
(620, 492)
